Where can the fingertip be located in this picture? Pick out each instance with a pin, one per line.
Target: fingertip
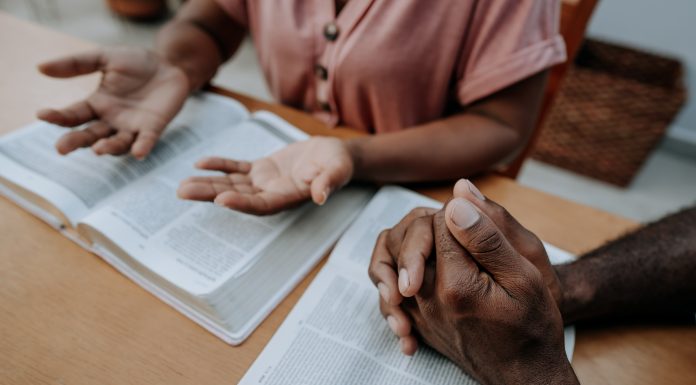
(322, 197)
(388, 295)
(461, 214)
(475, 191)
(51, 116)
(44, 113)
(98, 147)
(142, 148)
(383, 292)
(414, 284)
(63, 149)
(220, 201)
(182, 191)
(200, 163)
(398, 323)
(230, 200)
(391, 321)
(404, 282)
(460, 188)
(205, 163)
(44, 68)
(409, 345)
(320, 190)
(139, 156)
(464, 188)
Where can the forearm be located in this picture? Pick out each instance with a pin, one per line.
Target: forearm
(198, 40)
(480, 137)
(450, 148)
(545, 371)
(649, 272)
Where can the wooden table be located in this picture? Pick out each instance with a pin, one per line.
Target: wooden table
(66, 317)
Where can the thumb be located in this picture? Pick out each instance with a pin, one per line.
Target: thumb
(328, 181)
(486, 244)
(144, 143)
(74, 65)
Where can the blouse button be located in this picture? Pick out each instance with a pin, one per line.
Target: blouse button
(325, 106)
(331, 31)
(321, 72)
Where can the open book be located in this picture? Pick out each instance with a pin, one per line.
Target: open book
(204, 260)
(336, 334)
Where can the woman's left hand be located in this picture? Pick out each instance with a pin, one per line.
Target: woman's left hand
(310, 169)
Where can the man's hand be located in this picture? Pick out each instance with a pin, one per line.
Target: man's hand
(484, 305)
(138, 96)
(311, 169)
(406, 249)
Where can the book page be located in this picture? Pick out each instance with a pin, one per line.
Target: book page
(80, 181)
(336, 333)
(195, 245)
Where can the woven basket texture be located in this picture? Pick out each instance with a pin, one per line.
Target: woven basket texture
(612, 110)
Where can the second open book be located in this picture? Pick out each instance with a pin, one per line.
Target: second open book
(336, 334)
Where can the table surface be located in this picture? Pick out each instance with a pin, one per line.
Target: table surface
(67, 317)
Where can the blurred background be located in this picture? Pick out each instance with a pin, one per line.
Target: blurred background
(621, 136)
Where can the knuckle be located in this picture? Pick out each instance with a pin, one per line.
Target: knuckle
(529, 284)
(423, 222)
(453, 295)
(414, 213)
(372, 273)
(383, 236)
(384, 308)
(486, 241)
(420, 211)
(499, 213)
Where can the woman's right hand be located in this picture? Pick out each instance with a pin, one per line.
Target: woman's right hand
(139, 94)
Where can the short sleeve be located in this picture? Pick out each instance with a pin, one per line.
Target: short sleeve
(237, 9)
(507, 41)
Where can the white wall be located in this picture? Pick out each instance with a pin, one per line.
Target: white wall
(662, 26)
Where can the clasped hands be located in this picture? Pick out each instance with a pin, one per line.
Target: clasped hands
(474, 284)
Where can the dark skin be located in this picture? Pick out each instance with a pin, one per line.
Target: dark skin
(484, 305)
(649, 273)
(129, 115)
(616, 280)
(401, 253)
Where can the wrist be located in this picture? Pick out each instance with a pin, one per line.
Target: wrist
(181, 45)
(356, 150)
(545, 372)
(577, 293)
(166, 65)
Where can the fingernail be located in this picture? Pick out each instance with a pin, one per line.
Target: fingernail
(383, 291)
(463, 213)
(403, 280)
(391, 321)
(474, 190)
(402, 344)
(324, 197)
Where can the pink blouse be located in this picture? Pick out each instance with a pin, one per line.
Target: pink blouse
(386, 65)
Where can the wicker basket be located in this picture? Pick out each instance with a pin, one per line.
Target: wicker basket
(612, 110)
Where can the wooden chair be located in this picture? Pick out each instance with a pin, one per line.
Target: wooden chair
(575, 15)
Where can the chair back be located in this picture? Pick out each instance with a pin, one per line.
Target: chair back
(575, 15)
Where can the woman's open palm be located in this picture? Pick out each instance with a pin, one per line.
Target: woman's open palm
(311, 169)
(139, 94)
